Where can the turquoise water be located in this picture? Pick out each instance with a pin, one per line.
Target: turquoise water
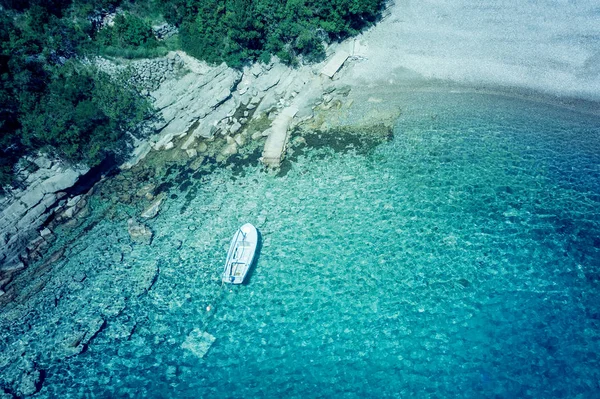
(460, 259)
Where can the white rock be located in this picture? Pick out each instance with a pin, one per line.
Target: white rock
(154, 208)
(33, 196)
(43, 162)
(229, 149)
(257, 135)
(239, 139)
(73, 201)
(192, 153)
(235, 127)
(202, 147)
(62, 180)
(69, 212)
(256, 70)
(169, 145)
(255, 100)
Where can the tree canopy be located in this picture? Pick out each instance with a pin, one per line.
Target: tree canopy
(238, 31)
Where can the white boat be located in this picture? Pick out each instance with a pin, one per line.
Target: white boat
(241, 254)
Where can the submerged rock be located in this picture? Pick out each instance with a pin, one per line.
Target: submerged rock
(139, 232)
(198, 342)
(30, 383)
(154, 207)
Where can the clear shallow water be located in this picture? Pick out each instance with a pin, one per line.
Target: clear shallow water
(460, 259)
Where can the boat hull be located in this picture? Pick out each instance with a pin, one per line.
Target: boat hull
(241, 254)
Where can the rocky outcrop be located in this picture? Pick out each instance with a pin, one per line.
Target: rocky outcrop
(147, 74)
(186, 103)
(24, 211)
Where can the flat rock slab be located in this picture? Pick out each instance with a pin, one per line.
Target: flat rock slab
(335, 63)
(198, 342)
(277, 139)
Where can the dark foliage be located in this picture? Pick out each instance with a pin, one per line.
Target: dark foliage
(49, 100)
(238, 31)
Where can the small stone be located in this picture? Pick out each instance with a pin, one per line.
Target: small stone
(344, 91)
(82, 203)
(239, 140)
(256, 70)
(235, 127)
(29, 383)
(261, 220)
(73, 201)
(69, 213)
(145, 190)
(171, 372)
(169, 145)
(191, 152)
(257, 135)
(117, 257)
(197, 163)
(202, 147)
(229, 149)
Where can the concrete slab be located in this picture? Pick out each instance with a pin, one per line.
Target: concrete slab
(335, 63)
(277, 140)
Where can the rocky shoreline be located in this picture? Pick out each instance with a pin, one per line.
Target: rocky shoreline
(212, 117)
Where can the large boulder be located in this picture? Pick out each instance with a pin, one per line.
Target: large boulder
(198, 342)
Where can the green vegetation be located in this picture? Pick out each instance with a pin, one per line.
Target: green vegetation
(236, 31)
(50, 100)
(53, 100)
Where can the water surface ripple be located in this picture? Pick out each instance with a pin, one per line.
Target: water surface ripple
(461, 259)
